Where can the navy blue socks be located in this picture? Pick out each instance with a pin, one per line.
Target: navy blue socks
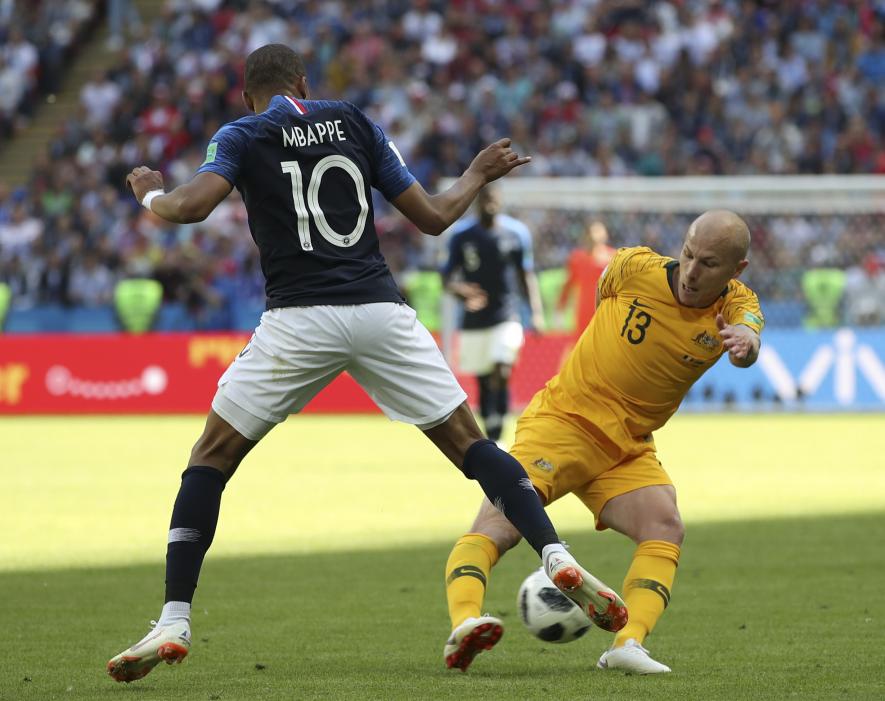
(192, 529)
(507, 486)
(492, 418)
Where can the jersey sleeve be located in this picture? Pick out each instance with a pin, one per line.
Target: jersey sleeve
(390, 175)
(224, 154)
(525, 240)
(742, 307)
(626, 263)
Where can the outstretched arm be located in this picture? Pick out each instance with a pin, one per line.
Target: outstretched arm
(531, 292)
(568, 287)
(741, 342)
(433, 214)
(187, 203)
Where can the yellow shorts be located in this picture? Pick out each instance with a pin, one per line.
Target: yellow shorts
(562, 457)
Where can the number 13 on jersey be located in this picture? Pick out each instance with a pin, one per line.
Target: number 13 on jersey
(309, 207)
(641, 320)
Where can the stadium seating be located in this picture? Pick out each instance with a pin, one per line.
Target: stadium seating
(588, 88)
(37, 41)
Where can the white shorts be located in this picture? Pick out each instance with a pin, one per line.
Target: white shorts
(296, 351)
(481, 349)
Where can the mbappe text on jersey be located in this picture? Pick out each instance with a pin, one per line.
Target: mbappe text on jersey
(313, 134)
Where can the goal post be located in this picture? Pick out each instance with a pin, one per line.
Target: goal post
(801, 194)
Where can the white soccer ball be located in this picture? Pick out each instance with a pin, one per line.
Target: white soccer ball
(548, 613)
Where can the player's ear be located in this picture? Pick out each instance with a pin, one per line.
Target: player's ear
(740, 268)
(247, 100)
(302, 88)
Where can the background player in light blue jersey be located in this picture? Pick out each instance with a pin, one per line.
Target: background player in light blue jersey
(304, 169)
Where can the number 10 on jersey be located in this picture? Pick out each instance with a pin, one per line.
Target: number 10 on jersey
(308, 207)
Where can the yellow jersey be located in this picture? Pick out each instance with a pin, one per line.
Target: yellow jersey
(642, 351)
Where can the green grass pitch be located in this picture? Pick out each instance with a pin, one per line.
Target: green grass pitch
(325, 580)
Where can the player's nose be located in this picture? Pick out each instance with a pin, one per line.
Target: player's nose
(691, 272)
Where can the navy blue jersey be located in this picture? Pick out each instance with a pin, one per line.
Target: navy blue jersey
(494, 259)
(305, 169)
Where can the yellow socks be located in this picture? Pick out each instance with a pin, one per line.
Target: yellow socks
(467, 572)
(647, 588)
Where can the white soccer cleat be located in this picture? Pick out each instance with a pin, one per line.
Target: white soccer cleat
(601, 603)
(631, 658)
(169, 644)
(470, 638)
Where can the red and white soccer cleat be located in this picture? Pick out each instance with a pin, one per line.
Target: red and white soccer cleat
(469, 639)
(601, 603)
(169, 644)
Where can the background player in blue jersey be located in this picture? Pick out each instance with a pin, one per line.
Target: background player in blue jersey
(304, 169)
(491, 269)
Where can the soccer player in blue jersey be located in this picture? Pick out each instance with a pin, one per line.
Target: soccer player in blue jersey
(490, 268)
(304, 169)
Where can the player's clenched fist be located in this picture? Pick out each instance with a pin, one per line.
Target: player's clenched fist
(142, 180)
(496, 160)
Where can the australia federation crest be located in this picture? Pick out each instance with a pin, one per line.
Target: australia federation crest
(543, 464)
(706, 341)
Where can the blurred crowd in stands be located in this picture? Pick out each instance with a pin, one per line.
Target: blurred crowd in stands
(37, 38)
(588, 87)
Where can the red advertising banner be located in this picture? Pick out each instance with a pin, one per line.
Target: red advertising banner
(177, 373)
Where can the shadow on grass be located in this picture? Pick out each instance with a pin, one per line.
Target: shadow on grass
(761, 610)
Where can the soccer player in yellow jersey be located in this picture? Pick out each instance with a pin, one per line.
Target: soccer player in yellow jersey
(660, 324)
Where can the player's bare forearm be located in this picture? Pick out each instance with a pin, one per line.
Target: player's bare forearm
(452, 203)
(177, 207)
(565, 293)
(188, 203)
(471, 294)
(193, 201)
(433, 214)
(457, 288)
(533, 297)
